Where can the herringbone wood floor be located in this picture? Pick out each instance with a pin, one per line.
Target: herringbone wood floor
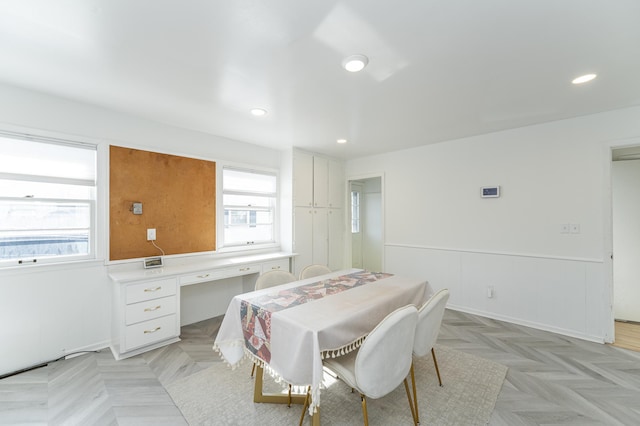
(552, 379)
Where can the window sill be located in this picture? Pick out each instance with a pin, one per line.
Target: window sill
(44, 267)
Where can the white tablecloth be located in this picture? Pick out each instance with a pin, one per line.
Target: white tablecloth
(301, 335)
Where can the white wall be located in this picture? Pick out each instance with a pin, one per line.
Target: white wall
(49, 311)
(437, 226)
(625, 177)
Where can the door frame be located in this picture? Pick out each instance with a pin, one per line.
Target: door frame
(609, 146)
(348, 248)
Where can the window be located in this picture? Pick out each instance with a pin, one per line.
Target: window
(47, 200)
(355, 212)
(249, 200)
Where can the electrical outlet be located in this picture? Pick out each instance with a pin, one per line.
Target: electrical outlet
(490, 292)
(575, 228)
(151, 234)
(564, 228)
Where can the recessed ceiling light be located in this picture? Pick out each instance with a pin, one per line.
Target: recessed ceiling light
(259, 112)
(341, 141)
(583, 78)
(355, 63)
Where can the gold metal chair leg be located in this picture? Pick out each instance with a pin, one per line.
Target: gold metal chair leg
(306, 405)
(253, 369)
(364, 410)
(435, 361)
(416, 419)
(413, 413)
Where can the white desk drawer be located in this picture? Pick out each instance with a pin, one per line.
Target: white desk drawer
(202, 277)
(251, 268)
(150, 309)
(150, 290)
(148, 332)
(276, 265)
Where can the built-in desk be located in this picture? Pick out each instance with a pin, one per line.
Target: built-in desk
(146, 302)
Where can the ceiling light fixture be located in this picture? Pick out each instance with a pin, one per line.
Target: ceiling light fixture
(355, 63)
(341, 141)
(583, 78)
(258, 112)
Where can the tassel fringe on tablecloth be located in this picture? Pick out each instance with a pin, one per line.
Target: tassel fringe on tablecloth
(315, 392)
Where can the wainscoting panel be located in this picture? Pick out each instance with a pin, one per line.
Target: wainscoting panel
(566, 296)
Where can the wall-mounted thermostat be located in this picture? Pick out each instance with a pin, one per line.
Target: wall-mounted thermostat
(490, 192)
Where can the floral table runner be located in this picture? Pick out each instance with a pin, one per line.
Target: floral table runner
(256, 312)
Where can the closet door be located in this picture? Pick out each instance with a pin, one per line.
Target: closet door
(302, 238)
(336, 185)
(320, 181)
(336, 232)
(303, 179)
(320, 236)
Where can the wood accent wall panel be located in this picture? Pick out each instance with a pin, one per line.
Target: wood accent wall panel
(178, 196)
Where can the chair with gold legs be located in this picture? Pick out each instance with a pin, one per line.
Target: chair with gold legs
(383, 361)
(429, 321)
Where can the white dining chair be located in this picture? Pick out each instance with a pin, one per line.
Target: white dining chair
(274, 278)
(383, 361)
(429, 321)
(313, 271)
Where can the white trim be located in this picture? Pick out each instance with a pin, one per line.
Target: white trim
(47, 179)
(531, 324)
(607, 213)
(347, 217)
(497, 253)
(47, 139)
(7, 271)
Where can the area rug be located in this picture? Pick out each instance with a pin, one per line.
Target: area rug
(221, 396)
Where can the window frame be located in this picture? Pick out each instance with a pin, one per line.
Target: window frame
(92, 201)
(222, 245)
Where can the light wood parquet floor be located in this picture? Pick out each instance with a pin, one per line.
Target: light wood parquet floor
(627, 335)
(552, 379)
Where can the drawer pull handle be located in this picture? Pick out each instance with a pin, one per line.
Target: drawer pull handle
(152, 289)
(203, 276)
(153, 309)
(244, 269)
(275, 267)
(152, 331)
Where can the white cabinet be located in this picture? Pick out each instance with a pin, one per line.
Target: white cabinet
(336, 185)
(145, 315)
(335, 242)
(317, 181)
(318, 222)
(320, 182)
(276, 265)
(146, 303)
(302, 179)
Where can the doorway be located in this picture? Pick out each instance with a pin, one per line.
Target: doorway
(625, 210)
(366, 223)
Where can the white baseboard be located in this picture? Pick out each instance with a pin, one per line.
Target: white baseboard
(537, 326)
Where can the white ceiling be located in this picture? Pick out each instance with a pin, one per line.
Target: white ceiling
(438, 69)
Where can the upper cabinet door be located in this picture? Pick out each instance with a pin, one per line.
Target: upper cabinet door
(336, 185)
(302, 179)
(320, 181)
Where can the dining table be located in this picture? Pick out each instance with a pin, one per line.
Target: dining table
(287, 330)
